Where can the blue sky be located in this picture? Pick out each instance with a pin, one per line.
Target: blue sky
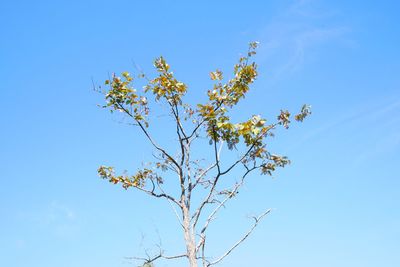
(337, 204)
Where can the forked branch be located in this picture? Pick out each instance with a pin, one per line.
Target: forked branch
(256, 222)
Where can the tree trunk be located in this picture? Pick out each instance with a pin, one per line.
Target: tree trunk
(189, 238)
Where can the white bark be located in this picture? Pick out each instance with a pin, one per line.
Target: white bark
(189, 237)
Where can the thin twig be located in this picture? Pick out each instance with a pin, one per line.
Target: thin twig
(256, 222)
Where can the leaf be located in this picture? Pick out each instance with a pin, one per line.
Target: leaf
(216, 75)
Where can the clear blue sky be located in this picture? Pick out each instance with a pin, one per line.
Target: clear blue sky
(337, 205)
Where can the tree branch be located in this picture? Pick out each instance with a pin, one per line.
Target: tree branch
(152, 193)
(196, 215)
(248, 151)
(173, 208)
(203, 121)
(256, 222)
(149, 137)
(214, 183)
(202, 174)
(158, 256)
(220, 205)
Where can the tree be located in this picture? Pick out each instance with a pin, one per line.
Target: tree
(197, 183)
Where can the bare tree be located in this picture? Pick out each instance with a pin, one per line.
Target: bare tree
(197, 183)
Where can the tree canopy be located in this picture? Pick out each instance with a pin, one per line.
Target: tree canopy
(212, 120)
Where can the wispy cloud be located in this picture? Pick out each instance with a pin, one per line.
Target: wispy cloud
(386, 128)
(377, 126)
(58, 219)
(362, 115)
(290, 36)
(379, 149)
(56, 213)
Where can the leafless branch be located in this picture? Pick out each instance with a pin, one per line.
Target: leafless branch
(203, 173)
(196, 215)
(221, 204)
(146, 133)
(219, 174)
(172, 206)
(162, 195)
(256, 222)
(149, 259)
(209, 168)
